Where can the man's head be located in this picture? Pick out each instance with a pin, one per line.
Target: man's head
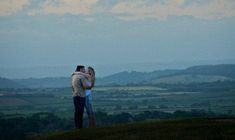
(80, 68)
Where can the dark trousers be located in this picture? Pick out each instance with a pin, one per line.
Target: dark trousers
(79, 103)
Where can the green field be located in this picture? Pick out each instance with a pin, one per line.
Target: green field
(115, 100)
(192, 129)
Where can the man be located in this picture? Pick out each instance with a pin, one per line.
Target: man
(79, 96)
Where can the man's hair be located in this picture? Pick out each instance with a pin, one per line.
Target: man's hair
(79, 67)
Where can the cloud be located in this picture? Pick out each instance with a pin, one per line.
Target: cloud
(141, 9)
(8, 7)
(61, 7)
(89, 19)
(123, 9)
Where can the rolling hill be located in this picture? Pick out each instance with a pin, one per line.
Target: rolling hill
(195, 74)
(200, 74)
(227, 70)
(133, 77)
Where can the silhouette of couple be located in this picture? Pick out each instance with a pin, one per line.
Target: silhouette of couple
(83, 80)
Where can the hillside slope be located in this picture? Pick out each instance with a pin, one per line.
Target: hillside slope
(194, 129)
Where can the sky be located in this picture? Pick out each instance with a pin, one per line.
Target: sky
(40, 38)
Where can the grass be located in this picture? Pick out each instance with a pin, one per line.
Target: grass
(190, 129)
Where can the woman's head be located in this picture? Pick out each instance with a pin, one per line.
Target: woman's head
(91, 72)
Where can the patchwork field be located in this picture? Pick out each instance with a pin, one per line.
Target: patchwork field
(116, 99)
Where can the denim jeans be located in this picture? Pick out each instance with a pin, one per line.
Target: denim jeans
(88, 105)
(79, 103)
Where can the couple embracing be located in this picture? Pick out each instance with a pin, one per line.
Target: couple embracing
(83, 81)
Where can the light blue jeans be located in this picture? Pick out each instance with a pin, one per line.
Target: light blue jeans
(88, 105)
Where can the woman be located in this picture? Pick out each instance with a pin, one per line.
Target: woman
(90, 75)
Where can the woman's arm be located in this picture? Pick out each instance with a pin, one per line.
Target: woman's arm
(86, 75)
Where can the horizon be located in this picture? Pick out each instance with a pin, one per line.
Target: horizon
(66, 71)
(49, 38)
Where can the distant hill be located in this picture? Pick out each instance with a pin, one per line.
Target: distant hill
(226, 70)
(190, 78)
(134, 77)
(7, 83)
(192, 129)
(45, 82)
(195, 74)
(200, 74)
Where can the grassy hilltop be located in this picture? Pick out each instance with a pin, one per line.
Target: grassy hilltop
(189, 129)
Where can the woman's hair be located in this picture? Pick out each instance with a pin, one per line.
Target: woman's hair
(91, 71)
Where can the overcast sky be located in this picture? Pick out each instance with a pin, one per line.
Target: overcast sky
(37, 33)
